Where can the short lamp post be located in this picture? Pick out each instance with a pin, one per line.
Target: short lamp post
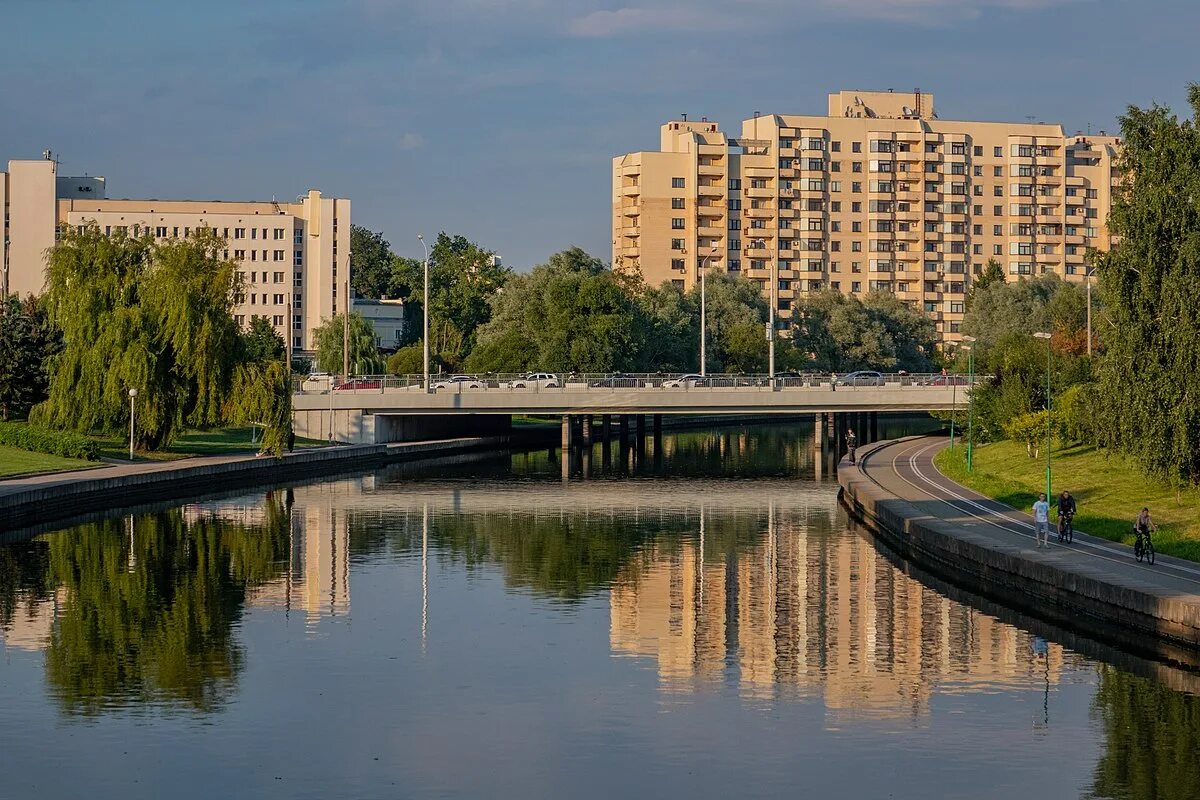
(425, 312)
(704, 264)
(132, 398)
(970, 348)
(1046, 336)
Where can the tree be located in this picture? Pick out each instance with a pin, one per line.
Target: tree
(992, 274)
(364, 355)
(571, 314)
(261, 342)
(27, 341)
(842, 333)
(1047, 303)
(668, 330)
(1150, 286)
(408, 360)
(139, 314)
(370, 263)
(462, 278)
(262, 395)
(737, 324)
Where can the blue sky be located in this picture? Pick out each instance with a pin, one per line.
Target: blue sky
(497, 119)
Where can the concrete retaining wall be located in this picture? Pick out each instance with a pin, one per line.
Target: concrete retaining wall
(67, 498)
(1146, 618)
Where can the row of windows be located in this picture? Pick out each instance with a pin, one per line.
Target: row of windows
(953, 148)
(253, 277)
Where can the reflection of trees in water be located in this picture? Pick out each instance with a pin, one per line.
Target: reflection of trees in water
(567, 556)
(148, 616)
(1152, 733)
(24, 572)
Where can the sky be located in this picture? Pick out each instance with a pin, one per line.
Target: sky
(498, 119)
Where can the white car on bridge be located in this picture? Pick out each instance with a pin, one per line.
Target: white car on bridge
(685, 382)
(537, 380)
(459, 382)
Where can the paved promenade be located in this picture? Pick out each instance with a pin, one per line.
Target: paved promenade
(1093, 582)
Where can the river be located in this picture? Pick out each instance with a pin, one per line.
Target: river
(693, 620)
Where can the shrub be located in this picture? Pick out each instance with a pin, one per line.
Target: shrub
(42, 440)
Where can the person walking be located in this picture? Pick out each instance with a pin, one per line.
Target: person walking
(1041, 521)
(851, 444)
(833, 382)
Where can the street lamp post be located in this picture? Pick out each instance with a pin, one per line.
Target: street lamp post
(1088, 277)
(970, 348)
(425, 312)
(132, 396)
(1046, 336)
(704, 312)
(772, 302)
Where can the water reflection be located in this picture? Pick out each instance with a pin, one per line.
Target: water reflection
(697, 583)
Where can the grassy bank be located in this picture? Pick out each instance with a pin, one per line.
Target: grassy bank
(21, 462)
(1108, 488)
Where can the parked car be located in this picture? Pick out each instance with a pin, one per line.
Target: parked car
(537, 380)
(459, 382)
(863, 377)
(615, 381)
(317, 382)
(685, 382)
(359, 383)
(946, 380)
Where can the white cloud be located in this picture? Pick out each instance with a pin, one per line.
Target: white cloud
(646, 20)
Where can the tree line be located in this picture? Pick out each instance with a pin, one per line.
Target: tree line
(1139, 393)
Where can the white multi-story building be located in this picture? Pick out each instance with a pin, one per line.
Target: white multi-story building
(294, 258)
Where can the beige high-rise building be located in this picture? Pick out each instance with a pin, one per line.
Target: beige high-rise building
(291, 256)
(879, 194)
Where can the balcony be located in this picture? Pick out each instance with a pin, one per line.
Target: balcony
(710, 211)
(631, 230)
(631, 211)
(630, 251)
(710, 190)
(631, 190)
(759, 213)
(714, 170)
(710, 231)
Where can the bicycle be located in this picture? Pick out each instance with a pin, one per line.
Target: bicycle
(1066, 527)
(1143, 547)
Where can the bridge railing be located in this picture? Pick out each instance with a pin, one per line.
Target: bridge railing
(561, 382)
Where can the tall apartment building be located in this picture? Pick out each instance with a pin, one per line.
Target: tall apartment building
(290, 255)
(880, 194)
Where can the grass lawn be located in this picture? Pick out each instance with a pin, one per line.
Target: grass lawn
(1108, 488)
(20, 462)
(219, 441)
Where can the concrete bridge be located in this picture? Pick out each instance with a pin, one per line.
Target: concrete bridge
(377, 410)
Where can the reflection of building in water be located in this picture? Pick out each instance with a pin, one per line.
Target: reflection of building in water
(317, 577)
(31, 622)
(796, 613)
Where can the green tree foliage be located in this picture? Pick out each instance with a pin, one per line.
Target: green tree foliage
(262, 395)
(992, 274)
(462, 279)
(737, 324)
(408, 360)
(1047, 303)
(261, 342)
(571, 314)
(841, 333)
(1150, 285)
(669, 330)
(139, 314)
(370, 263)
(27, 341)
(364, 355)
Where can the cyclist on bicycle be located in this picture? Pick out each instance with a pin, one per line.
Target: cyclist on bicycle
(1066, 510)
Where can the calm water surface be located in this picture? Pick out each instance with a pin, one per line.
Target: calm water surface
(698, 621)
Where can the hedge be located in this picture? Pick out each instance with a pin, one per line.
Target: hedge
(42, 440)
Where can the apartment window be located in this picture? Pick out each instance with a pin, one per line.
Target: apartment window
(278, 277)
(676, 202)
(277, 255)
(735, 205)
(239, 255)
(735, 224)
(734, 183)
(977, 230)
(814, 185)
(856, 147)
(997, 250)
(856, 286)
(856, 207)
(758, 223)
(835, 226)
(856, 247)
(735, 265)
(735, 244)
(677, 244)
(835, 166)
(239, 233)
(835, 147)
(835, 186)
(278, 301)
(677, 183)
(998, 152)
(998, 191)
(278, 234)
(835, 206)
(835, 246)
(997, 211)
(1092, 194)
(998, 172)
(678, 264)
(978, 151)
(958, 148)
(677, 223)
(977, 249)
(813, 143)
(160, 232)
(855, 227)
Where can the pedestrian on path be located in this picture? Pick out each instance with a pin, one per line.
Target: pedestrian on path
(833, 383)
(851, 444)
(1041, 521)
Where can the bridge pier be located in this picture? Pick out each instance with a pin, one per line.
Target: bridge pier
(567, 424)
(585, 430)
(641, 427)
(819, 431)
(623, 433)
(606, 427)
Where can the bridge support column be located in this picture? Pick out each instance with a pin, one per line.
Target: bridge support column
(623, 433)
(819, 432)
(567, 424)
(606, 427)
(641, 427)
(657, 430)
(586, 430)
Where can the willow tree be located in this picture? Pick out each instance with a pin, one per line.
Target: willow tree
(1150, 284)
(331, 339)
(136, 314)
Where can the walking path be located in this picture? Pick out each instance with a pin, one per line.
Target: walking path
(897, 489)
